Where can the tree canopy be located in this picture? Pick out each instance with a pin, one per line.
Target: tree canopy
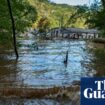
(27, 13)
(24, 15)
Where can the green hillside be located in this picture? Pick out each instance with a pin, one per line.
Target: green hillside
(58, 14)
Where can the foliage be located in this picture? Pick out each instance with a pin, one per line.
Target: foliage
(43, 24)
(24, 15)
(58, 14)
(79, 16)
(97, 16)
(103, 3)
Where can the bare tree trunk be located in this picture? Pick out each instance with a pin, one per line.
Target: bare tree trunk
(13, 28)
(66, 59)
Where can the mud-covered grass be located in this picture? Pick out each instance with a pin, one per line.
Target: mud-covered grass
(99, 40)
(38, 92)
(99, 62)
(39, 96)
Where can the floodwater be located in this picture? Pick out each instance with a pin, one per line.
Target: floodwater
(44, 66)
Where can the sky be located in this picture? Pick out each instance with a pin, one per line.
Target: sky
(73, 2)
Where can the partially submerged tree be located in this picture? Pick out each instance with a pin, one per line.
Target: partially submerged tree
(13, 28)
(15, 19)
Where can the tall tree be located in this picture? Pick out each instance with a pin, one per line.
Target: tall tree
(13, 28)
(15, 17)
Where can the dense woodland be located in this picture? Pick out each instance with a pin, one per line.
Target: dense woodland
(44, 15)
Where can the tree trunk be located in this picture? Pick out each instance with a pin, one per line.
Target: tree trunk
(13, 28)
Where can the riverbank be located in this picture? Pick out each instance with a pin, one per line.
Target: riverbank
(29, 93)
(45, 68)
(99, 40)
(69, 95)
(98, 43)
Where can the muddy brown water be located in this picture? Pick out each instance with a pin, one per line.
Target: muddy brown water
(44, 68)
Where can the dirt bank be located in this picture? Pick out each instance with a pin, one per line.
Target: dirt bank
(39, 93)
(99, 40)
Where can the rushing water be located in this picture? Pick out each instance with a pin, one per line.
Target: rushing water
(45, 67)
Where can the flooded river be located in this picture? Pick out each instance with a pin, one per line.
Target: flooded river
(44, 66)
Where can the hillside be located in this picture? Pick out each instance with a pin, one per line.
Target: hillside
(58, 14)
